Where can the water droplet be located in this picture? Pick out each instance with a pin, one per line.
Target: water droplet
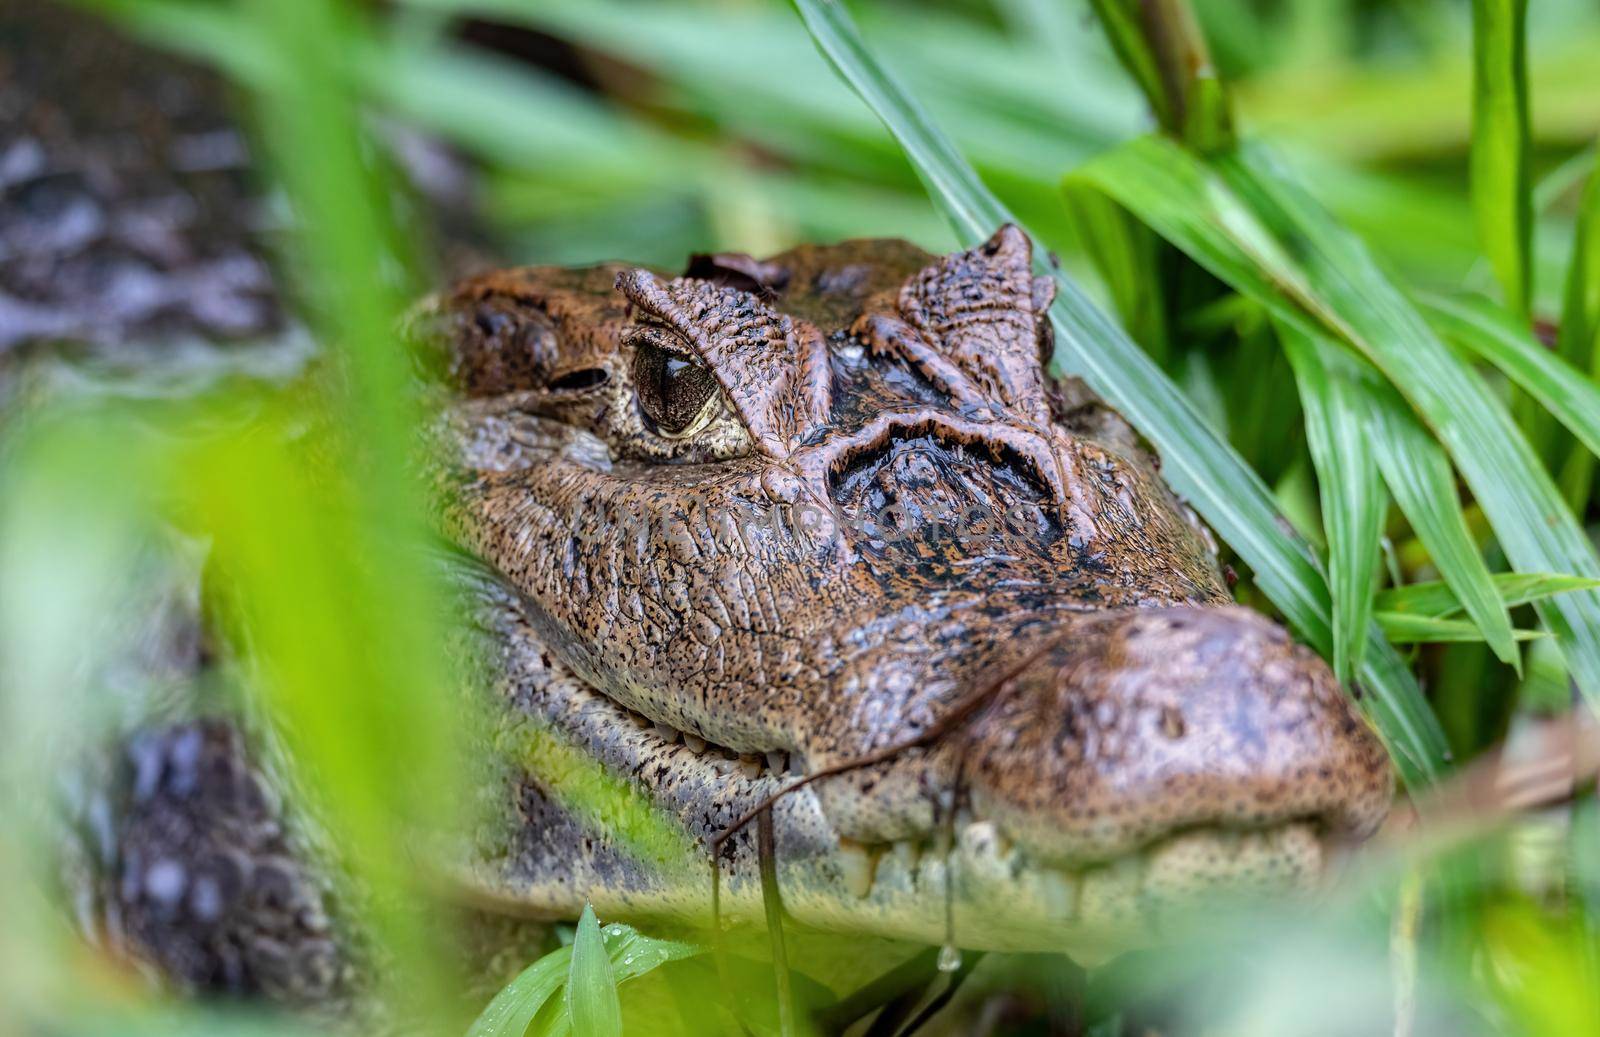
(949, 958)
(628, 960)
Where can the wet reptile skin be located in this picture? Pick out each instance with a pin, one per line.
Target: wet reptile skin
(885, 514)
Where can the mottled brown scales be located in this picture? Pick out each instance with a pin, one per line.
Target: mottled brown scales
(857, 519)
(885, 506)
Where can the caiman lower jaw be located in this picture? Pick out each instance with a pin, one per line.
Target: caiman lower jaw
(998, 901)
(1003, 901)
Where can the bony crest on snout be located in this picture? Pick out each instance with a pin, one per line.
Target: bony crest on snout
(976, 325)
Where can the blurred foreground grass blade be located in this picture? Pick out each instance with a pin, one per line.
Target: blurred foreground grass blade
(311, 595)
(1418, 473)
(591, 996)
(1438, 599)
(321, 538)
(1502, 186)
(1196, 461)
(1353, 503)
(1242, 217)
(1487, 330)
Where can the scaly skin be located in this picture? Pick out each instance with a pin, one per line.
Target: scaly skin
(1126, 738)
(1132, 737)
(881, 532)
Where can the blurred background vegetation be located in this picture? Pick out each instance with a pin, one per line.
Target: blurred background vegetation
(401, 143)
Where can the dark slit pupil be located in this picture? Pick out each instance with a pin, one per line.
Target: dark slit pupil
(672, 388)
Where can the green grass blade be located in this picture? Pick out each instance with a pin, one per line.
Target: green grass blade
(1243, 218)
(1127, 258)
(1353, 503)
(1418, 473)
(591, 996)
(1502, 188)
(1408, 628)
(1578, 341)
(1196, 461)
(1161, 47)
(1124, 29)
(1488, 331)
(1579, 338)
(514, 1008)
(1438, 599)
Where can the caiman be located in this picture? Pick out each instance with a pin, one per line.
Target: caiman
(815, 532)
(820, 525)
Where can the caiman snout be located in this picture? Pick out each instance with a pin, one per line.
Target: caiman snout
(1138, 724)
(1200, 740)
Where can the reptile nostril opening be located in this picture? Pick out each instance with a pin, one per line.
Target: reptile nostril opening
(580, 380)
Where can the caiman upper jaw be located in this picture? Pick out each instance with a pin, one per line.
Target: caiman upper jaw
(1144, 723)
(1129, 727)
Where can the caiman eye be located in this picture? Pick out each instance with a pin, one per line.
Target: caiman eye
(677, 395)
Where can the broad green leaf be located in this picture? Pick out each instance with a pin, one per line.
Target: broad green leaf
(591, 995)
(633, 953)
(1479, 325)
(1409, 628)
(1243, 218)
(1418, 473)
(1502, 191)
(1438, 599)
(1353, 502)
(1196, 461)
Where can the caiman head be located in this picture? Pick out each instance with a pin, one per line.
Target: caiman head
(824, 514)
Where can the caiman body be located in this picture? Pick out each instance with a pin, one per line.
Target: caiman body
(825, 514)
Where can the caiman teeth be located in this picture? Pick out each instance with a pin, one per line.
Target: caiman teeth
(670, 735)
(1169, 871)
(859, 865)
(695, 743)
